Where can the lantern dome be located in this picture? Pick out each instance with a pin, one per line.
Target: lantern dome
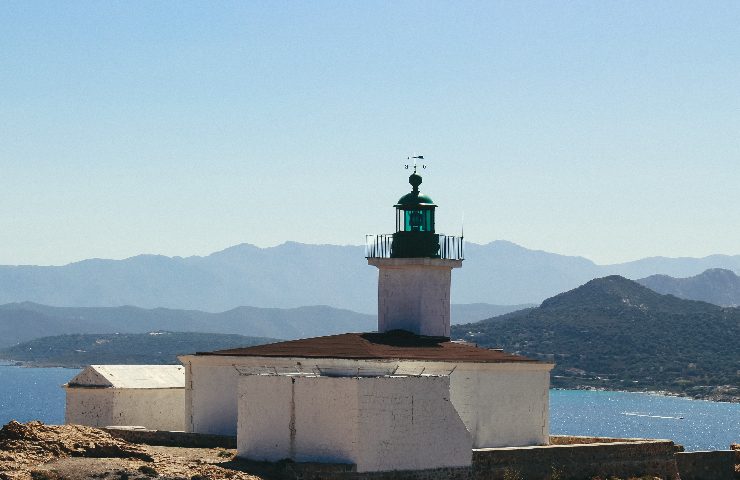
(415, 235)
(417, 198)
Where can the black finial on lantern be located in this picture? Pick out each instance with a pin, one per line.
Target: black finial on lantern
(415, 181)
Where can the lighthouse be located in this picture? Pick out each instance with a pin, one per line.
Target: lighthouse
(414, 268)
(403, 398)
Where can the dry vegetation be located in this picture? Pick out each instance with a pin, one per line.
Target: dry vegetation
(34, 451)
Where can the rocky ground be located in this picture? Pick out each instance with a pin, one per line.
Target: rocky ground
(34, 451)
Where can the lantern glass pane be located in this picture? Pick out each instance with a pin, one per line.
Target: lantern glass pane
(416, 221)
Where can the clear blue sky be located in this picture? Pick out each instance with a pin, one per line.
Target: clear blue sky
(604, 129)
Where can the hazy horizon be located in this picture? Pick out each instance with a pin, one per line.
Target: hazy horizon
(205, 254)
(606, 130)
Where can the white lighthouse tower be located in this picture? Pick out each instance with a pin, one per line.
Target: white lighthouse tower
(415, 268)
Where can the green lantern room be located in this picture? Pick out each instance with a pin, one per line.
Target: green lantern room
(415, 236)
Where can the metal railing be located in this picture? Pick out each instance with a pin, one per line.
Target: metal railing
(451, 247)
(380, 246)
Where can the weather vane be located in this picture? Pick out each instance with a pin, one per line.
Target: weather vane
(415, 158)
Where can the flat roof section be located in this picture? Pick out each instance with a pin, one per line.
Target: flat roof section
(394, 345)
(130, 376)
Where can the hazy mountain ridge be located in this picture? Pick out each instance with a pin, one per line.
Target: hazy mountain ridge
(614, 333)
(295, 274)
(716, 285)
(239, 275)
(25, 321)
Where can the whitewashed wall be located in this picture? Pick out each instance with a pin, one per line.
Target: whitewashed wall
(376, 423)
(410, 424)
(211, 385)
(414, 294)
(210, 398)
(89, 406)
(501, 404)
(156, 409)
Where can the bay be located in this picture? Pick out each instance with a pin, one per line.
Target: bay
(36, 394)
(695, 424)
(33, 393)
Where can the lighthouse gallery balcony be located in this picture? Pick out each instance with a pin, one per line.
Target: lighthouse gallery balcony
(381, 246)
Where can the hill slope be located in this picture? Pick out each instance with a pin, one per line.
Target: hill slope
(716, 285)
(24, 321)
(124, 348)
(474, 312)
(616, 334)
(20, 322)
(294, 274)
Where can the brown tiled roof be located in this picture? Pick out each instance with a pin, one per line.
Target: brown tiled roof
(395, 345)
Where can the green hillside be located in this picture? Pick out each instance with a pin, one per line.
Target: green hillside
(614, 333)
(122, 348)
(21, 322)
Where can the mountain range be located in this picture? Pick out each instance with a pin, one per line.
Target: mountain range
(609, 333)
(25, 321)
(294, 274)
(614, 333)
(716, 285)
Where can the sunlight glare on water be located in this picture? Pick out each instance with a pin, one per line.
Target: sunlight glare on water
(33, 393)
(695, 424)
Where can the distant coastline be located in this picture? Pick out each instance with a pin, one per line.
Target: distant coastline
(723, 398)
(14, 363)
(153, 348)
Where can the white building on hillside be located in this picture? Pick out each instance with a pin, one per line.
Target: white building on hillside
(150, 396)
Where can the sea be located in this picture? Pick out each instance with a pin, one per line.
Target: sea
(36, 394)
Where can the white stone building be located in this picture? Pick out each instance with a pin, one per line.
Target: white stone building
(150, 396)
(372, 399)
(501, 398)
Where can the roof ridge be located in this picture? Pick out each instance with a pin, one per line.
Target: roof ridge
(397, 345)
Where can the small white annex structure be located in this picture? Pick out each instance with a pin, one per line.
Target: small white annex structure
(316, 418)
(152, 396)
